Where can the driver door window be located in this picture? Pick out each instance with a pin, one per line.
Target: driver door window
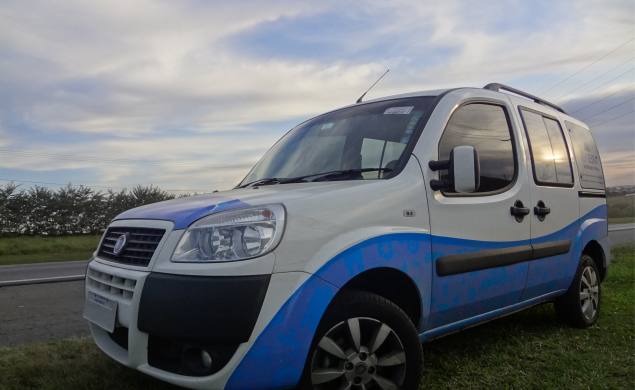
(486, 128)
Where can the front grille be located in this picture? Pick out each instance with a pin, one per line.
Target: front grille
(139, 249)
(115, 285)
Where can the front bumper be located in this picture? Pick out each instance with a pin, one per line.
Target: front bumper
(161, 312)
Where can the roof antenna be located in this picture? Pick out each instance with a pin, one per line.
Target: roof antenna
(361, 97)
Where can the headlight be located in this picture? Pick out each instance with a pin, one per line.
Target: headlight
(232, 235)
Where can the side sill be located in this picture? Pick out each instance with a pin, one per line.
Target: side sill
(492, 315)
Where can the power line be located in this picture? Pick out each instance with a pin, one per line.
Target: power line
(566, 94)
(601, 85)
(630, 40)
(90, 186)
(67, 157)
(606, 97)
(587, 46)
(608, 109)
(617, 117)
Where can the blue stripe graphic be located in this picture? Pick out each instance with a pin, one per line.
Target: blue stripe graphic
(277, 358)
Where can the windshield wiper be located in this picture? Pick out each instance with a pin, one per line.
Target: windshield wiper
(265, 181)
(342, 172)
(276, 180)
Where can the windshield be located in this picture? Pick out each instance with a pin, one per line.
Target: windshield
(365, 141)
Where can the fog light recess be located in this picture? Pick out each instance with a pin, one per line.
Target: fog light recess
(198, 360)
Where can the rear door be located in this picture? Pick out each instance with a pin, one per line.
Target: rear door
(480, 251)
(554, 203)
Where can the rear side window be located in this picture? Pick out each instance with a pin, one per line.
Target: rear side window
(486, 128)
(549, 153)
(587, 157)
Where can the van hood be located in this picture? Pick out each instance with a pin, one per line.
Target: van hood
(184, 211)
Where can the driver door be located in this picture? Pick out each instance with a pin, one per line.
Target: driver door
(480, 251)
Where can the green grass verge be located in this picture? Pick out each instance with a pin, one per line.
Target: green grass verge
(45, 258)
(31, 250)
(615, 221)
(621, 206)
(33, 245)
(526, 350)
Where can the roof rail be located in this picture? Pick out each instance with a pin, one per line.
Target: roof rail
(496, 87)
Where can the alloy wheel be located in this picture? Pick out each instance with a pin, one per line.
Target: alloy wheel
(360, 353)
(589, 292)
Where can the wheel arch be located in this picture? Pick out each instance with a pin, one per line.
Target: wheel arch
(596, 252)
(393, 285)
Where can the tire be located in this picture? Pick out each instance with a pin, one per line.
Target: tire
(386, 354)
(580, 306)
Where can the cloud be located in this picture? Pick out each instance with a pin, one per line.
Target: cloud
(219, 82)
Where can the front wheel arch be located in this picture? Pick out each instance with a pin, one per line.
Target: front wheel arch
(393, 285)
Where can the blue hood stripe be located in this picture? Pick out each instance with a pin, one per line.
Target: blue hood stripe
(183, 211)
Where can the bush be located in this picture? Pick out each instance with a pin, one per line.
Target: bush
(69, 210)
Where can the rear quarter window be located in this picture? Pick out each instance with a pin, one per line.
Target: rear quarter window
(587, 157)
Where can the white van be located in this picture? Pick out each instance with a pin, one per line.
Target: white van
(362, 233)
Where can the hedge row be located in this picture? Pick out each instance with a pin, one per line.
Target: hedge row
(68, 210)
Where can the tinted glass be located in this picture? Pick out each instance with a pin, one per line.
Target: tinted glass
(587, 157)
(548, 149)
(485, 128)
(541, 153)
(560, 151)
(372, 135)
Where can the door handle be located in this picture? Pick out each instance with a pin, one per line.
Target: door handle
(518, 210)
(541, 210)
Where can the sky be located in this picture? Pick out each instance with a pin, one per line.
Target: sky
(189, 95)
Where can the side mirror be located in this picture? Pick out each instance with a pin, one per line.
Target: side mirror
(464, 171)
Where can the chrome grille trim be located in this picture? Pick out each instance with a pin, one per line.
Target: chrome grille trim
(138, 251)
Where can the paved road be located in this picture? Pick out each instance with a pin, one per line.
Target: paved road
(44, 272)
(621, 236)
(621, 226)
(39, 312)
(74, 270)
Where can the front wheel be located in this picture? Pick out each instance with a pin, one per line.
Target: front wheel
(364, 342)
(580, 306)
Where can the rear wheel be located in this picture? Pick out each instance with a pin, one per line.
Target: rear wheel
(580, 306)
(364, 342)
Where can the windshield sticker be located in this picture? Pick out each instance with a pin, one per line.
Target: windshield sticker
(399, 110)
(411, 127)
(326, 126)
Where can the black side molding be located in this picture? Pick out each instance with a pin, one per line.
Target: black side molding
(476, 261)
(589, 194)
(549, 249)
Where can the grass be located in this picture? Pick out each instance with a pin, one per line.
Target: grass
(29, 250)
(615, 221)
(532, 350)
(527, 350)
(46, 257)
(621, 206)
(33, 245)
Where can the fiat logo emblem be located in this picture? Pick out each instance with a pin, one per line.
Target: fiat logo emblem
(120, 244)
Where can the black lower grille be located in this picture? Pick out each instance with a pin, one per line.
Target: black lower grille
(166, 355)
(182, 358)
(120, 337)
(139, 248)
